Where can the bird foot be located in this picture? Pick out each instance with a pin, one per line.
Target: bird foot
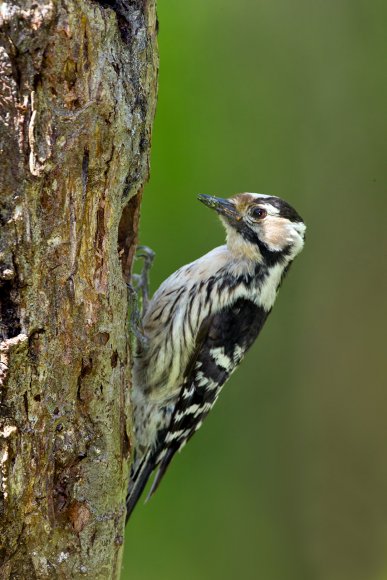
(142, 279)
(140, 287)
(135, 320)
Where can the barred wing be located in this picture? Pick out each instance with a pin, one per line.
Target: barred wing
(221, 344)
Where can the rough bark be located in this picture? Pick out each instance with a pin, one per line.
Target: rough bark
(76, 107)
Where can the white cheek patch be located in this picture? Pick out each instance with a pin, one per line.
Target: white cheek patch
(278, 233)
(275, 233)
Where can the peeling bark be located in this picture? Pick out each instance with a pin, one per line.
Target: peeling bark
(77, 102)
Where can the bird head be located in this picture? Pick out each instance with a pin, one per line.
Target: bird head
(259, 227)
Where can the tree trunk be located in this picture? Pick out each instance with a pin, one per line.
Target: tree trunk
(77, 102)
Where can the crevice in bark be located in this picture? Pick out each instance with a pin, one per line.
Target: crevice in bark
(5, 214)
(9, 310)
(124, 10)
(128, 233)
(85, 171)
(34, 347)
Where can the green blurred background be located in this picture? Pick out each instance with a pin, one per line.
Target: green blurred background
(287, 479)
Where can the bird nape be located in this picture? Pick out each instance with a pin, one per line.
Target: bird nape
(200, 323)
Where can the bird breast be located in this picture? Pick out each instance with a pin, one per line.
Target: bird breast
(178, 309)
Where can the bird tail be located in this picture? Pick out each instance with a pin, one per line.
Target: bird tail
(140, 476)
(138, 481)
(161, 471)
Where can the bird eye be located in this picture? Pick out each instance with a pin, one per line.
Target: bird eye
(258, 213)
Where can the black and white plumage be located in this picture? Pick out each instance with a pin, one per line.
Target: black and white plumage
(200, 323)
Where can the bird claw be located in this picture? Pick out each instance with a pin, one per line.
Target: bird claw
(141, 286)
(142, 280)
(136, 318)
(147, 253)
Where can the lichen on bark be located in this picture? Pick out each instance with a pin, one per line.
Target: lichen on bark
(78, 95)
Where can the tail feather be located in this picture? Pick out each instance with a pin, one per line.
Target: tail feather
(161, 471)
(138, 482)
(141, 475)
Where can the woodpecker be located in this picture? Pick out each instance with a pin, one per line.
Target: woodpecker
(200, 323)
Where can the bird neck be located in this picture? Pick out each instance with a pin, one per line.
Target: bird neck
(242, 249)
(255, 255)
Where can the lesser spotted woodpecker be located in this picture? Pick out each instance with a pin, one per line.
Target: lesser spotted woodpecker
(200, 323)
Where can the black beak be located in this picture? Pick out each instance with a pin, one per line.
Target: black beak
(222, 206)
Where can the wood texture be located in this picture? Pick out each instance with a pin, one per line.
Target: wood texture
(78, 94)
